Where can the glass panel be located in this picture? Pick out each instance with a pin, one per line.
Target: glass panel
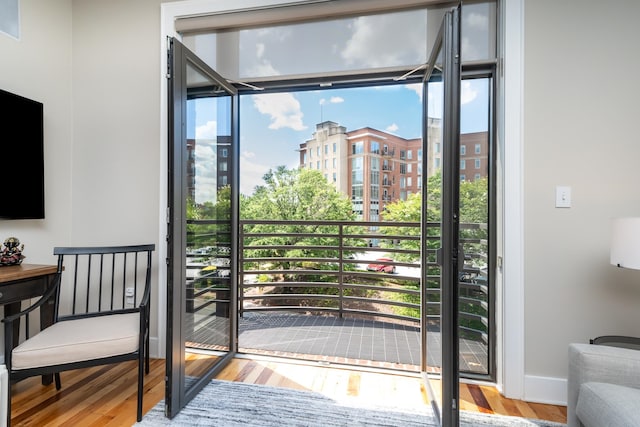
(474, 226)
(360, 43)
(432, 325)
(478, 31)
(440, 223)
(208, 223)
(10, 17)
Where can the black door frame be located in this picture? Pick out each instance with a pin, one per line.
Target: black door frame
(176, 396)
(446, 44)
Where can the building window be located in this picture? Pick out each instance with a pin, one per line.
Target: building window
(477, 177)
(225, 152)
(326, 163)
(335, 178)
(478, 149)
(463, 164)
(318, 165)
(375, 147)
(409, 154)
(403, 154)
(335, 147)
(403, 168)
(357, 178)
(357, 148)
(356, 163)
(463, 150)
(223, 180)
(420, 154)
(477, 163)
(409, 168)
(334, 162)
(462, 178)
(409, 181)
(375, 163)
(223, 166)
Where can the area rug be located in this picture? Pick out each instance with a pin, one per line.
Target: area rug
(232, 404)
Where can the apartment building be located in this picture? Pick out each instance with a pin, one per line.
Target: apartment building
(376, 168)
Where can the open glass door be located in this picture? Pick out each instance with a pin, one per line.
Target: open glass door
(440, 221)
(202, 226)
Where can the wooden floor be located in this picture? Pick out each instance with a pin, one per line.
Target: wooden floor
(106, 396)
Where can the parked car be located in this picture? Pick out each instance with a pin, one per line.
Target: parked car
(384, 268)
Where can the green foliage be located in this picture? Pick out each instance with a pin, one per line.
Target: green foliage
(294, 195)
(297, 194)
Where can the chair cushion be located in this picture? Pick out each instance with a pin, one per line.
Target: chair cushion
(78, 340)
(602, 404)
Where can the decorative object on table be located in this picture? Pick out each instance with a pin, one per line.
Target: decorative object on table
(11, 253)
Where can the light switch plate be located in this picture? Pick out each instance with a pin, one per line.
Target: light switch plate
(563, 197)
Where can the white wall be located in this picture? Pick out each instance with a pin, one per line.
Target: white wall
(116, 155)
(38, 66)
(97, 68)
(581, 96)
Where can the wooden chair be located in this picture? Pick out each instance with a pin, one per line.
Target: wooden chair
(96, 313)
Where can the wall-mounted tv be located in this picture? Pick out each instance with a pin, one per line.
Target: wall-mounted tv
(21, 157)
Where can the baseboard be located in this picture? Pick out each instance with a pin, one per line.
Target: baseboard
(547, 390)
(154, 348)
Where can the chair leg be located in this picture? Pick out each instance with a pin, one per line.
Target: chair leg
(140, 385)
(9, 404)
(146, 355)
(56, 376)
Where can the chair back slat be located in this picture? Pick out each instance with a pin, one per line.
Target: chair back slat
(103, 278)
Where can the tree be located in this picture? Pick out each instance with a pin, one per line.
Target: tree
(295, 195)
(473, 210)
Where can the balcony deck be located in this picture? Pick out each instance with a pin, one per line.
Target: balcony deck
(353, 341)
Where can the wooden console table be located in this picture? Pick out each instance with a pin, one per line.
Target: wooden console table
(26, 281)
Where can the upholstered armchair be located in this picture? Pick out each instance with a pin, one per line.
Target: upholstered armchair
(96, 313)
(603, 386)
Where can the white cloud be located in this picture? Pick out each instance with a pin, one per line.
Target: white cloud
(252, 173)
(392, 127)
(260, 50)
(336, 100)
(477, 20)
(370, 47)
(283, 108)
(469, 93)
(206, 173)
(416, 87)
(207, 131)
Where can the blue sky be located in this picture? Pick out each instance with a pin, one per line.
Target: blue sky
(272, 126)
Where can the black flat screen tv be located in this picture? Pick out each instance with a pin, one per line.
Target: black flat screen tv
(21, 157)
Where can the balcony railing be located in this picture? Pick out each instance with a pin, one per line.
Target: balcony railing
(357, 269)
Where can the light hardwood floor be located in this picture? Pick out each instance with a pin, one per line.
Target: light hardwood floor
(106, 396)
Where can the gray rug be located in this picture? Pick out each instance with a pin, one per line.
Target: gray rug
(231, 404)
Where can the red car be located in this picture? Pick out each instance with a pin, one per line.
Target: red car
(384, 268)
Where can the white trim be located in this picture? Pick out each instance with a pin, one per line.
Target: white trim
(513, 327)
(511, 358)
(547, 390)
